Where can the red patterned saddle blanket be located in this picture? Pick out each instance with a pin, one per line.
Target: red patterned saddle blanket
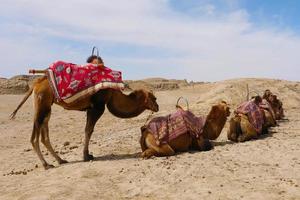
(167, 128)
(253, 113)
(71, 82)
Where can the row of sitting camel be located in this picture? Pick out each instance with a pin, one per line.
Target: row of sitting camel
(240, 128)
(128, 106)
(212, 128)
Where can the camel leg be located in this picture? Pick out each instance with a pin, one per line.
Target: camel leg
(247, 130)
(246, 136)
(155, 150)
(204, 144)
(35, 143)
(46, 140)
(234, 130)
(164, 150)
(92, 117)
(159, 151)
(148, 153)
(42, 105)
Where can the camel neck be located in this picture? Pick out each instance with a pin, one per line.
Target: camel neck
(125, 106)
(214, 126)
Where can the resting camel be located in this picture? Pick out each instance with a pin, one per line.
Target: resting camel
(275, 103)
(119, 104)
(213, 126)
(241, 130)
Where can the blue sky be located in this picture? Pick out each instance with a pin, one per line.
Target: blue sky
(203, 40)
(278, 13)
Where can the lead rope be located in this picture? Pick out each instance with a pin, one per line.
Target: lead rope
(148, 118)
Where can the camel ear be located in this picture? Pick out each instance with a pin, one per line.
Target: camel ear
(224, 102)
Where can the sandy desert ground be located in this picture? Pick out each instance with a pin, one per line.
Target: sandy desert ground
(268, 168)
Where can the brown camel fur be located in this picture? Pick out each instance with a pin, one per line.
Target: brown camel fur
(275, 103)
(119, 104)
(241, 130)
(213, 126)
(269, 119)
(277, 106)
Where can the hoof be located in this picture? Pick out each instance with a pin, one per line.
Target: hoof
(232, 137)
(48, 166)
(240, 139)
(244, 139)
(207, 145)
(88, 157)
(62, 162)
(146, 154)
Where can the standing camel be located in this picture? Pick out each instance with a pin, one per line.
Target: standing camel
(119, 104)
(212, 128)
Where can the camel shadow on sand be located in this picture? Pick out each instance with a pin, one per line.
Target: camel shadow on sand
(228, 142)
(222, 143)
(267, 135)
(117, 157)
(112, 157)
(109, 157)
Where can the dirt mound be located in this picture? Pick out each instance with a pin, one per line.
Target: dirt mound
(16, 85)
(20, 84)
(157, 84)
(235, 91)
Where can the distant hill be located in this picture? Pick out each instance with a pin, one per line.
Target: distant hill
(16, 85)
(21, 83)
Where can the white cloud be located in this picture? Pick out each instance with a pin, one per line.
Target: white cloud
(224, 46)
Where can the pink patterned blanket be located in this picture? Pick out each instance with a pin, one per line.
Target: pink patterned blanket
(254, 114)
(167, 128)
(71, 82)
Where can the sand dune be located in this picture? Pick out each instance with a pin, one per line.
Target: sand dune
(268, 168)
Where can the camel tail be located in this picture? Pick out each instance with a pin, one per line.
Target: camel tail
(28, 93)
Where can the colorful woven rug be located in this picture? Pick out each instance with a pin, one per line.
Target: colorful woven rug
(71, 82)
(253, 113)
(167, 128)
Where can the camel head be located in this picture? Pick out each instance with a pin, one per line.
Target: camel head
(216, 120)
(147, 99)
(267, 93)
(221, 109)
(276, 104)
(257, 99)
(225, 107)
